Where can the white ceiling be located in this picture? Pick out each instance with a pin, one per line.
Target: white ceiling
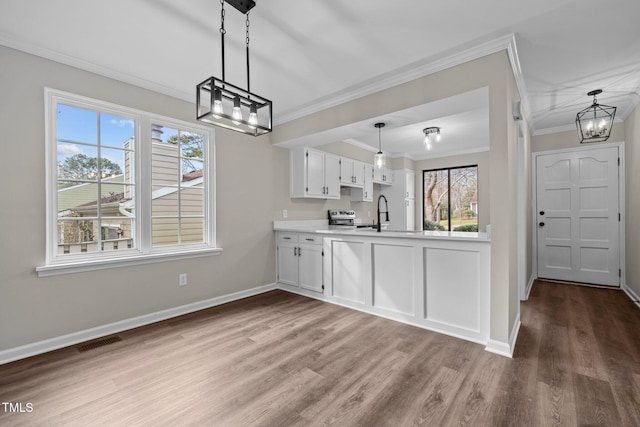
(309, 55)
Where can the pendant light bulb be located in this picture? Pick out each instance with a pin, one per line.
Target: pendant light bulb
(217, 103)
(438, 135)
(380, 159)
(253, 116)
(236, 115)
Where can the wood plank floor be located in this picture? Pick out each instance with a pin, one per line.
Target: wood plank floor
(280, 359)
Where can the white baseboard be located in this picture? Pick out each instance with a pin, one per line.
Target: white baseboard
(44, 346)
(527, 291)
(503, 348)
(634, 297)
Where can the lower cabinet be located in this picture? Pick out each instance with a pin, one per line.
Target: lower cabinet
(300, 260)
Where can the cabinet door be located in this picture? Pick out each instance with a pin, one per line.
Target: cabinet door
(331, 174)
(364, 194)
(310, 267)
(410, 214)
(315, 173)
(358, 173)
(288, 263)
(346, 171)
(410, 185)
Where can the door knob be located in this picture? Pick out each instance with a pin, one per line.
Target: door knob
(541, 224)
(541, 212)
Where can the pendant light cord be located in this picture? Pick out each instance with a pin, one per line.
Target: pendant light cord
(222, 33)
(247, 43)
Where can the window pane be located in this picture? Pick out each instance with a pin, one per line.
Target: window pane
(77, 236)
(164, 201)
(191, 145)
(451, 199)
(112, 163)
(436, 200)
(164, 232)
(464, 190)
(192, 171)
(192, 230)
(77, 162)
(115, 131)
(116, 233)
(192, 201)
(77, 124)
(76, 199)
(165, 170)
(117, 199)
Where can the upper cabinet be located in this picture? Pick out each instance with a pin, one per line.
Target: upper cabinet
(351, 173)
(364, 194)
(314, 174)
(382, 176)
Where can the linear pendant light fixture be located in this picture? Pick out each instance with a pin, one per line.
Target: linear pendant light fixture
(223, 104)
(595, 122)
(380, 158)
(431, 135)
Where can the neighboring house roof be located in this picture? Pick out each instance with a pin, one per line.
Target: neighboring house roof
(192, 175)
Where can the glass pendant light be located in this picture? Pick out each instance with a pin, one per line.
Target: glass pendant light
(253, 115)
(595, 122)
(217, 103)
(380, 159)
(428, 137)
(237, 113)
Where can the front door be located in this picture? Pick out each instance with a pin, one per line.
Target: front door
(577, 216)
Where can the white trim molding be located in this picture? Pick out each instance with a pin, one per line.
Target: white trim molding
(74, 338)
(634, 297)
(502, 348)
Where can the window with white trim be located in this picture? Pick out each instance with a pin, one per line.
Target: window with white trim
(124, 183)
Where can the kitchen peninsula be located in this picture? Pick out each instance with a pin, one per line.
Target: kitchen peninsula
(431, 279)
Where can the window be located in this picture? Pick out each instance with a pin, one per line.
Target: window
(124, 185)
(451, 199)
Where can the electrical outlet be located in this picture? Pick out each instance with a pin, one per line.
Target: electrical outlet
(182, 279)
(284, 213)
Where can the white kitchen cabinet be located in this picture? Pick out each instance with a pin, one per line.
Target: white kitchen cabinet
(364, 194)
(300, 260)
(401, 200)
(314, 174)
(351, 173)
(383, 176)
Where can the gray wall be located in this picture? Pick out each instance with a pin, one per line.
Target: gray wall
(34, 309)
(632, 199)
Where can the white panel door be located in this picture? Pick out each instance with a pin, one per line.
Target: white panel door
(577, 216)
(331, 175)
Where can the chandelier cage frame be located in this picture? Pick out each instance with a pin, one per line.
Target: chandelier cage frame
(224, 104)
(595, 122)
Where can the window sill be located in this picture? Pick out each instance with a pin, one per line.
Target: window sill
(101, 264)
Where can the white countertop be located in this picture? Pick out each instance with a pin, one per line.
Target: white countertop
(322, 227)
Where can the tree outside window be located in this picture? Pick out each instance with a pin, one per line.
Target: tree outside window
(451, 199)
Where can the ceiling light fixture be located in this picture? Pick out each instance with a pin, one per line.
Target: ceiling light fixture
(431, 135)
(221, 103)
(595, 122)
(380, 158)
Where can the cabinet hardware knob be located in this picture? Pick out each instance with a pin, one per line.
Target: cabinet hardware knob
(541, 212)
(541, 224)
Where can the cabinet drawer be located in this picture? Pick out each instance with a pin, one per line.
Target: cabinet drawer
(312, 239)
(288, 237)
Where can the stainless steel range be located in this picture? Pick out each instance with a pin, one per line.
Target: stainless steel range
(342, 218)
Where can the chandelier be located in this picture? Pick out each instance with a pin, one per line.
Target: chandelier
(431, 135)
(595, 122)
(223, 104)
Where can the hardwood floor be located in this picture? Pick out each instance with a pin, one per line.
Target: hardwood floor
(280, 359)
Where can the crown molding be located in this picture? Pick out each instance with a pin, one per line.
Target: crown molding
(94, 68)
(567, 128)
(411, 72)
